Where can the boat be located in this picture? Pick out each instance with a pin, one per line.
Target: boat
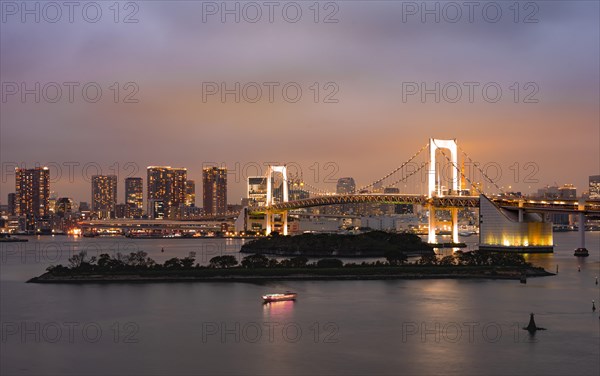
(465, 233)
(279, 297)
(581, 252)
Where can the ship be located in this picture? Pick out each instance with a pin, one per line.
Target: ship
(279, 297)
(581, 252)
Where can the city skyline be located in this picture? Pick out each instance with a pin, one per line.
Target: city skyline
(369, 187)
(365, 133)
(241, 186)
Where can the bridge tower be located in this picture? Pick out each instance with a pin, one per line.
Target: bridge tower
(271, 170)
(434, 145)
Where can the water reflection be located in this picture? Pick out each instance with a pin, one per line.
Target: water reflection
(278, 310)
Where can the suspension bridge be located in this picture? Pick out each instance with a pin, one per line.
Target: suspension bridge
(507, 223)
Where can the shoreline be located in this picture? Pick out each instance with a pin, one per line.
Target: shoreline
(343, 274)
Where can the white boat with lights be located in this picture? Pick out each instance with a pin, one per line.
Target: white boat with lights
(279, 297)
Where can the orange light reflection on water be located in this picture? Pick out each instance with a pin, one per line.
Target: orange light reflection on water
(282, 309)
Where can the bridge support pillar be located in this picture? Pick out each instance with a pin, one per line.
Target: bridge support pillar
(431, 233)
(454, 212)
(285, 222)
(269, 222)
(581, 250)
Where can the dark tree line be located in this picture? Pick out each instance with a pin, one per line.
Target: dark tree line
(139, 261)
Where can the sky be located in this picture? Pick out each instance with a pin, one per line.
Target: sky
(377, 79)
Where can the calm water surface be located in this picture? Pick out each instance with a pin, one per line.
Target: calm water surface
(420, 327)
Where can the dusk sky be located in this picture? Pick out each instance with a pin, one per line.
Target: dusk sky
(368, 55)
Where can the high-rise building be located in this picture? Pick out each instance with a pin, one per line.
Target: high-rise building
(257, 191)
(64, 206)
(124, 210)
(214, 190)
(12, 204)
(595, 187)
(190, 193)
(104, 195)
(548, 192)
(134, 192)
(166, 191)
(32, 196)
(567, 191)
(345, 186)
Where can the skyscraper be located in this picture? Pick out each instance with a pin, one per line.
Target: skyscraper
(595, 187)
(166, 191)
(190, 193)
(257, 190)
(12, 204)
(33, 191)
(345, 186)
(64, 206)
(567, 191)
(214, 187)
(134, 192)
(104, 195)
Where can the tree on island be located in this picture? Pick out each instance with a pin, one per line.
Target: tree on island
(173, 263)
(294, 262)
(330, 263)
(255, 261)
(447, 261)
(223, 262)
(395, 257)
(188, 262)
(428, 260)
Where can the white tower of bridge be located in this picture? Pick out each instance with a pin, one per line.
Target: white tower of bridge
(434, 145)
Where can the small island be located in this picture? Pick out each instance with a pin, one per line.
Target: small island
(368, 244)
(138, 267)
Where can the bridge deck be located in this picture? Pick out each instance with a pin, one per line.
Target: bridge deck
(565, 206)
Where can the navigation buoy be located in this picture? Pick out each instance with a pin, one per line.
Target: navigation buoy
(531, 327)
(593, 306)
(578, 268)
(556, 268)
(162, 250)
(596, 279)
(523, 277)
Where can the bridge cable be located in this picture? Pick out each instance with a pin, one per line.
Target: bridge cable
(407, 176)
(393, 172)
(481, 171)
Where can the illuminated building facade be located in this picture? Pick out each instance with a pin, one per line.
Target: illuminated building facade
(594, 187)
(257, 191)
(104, 195)
(567, 191)
(134, 192)
(214, 190)
(511, 230)
(166, 191)
(32, 196)
(190, 193)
